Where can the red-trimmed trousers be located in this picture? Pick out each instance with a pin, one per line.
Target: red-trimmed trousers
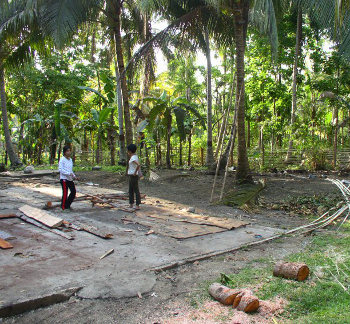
(67, 200)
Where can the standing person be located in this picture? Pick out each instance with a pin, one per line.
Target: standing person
(133, 169)
(65, 167)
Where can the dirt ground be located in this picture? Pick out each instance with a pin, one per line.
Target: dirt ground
(177, 290)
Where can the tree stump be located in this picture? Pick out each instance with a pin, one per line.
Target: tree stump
(289, 270)
(223, 294)
(246, 302)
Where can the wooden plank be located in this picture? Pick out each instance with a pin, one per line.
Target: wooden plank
(34, 222)
(41, 216)
(7, 216)
(5, 245)
(91, 229)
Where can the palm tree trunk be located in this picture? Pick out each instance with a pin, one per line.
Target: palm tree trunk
(243, 173)
(294, 90)
(210, 155)
(9, 147)
(53, 146)
(336, 122)
(122, 151)
(111, 139)
(180, 161)
(168, 162)
(148, 66)
(120, 59)
(189, 148)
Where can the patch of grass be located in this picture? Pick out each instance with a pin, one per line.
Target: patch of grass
(106, 168)
(323, 298)
(197, 299)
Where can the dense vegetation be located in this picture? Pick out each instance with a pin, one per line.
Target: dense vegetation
(286, 101)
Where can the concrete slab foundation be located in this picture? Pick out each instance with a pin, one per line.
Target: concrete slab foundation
(43, 264)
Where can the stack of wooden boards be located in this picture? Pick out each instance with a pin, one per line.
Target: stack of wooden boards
(244, 299)
(51, 223)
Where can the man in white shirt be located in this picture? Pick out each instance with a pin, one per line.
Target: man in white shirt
(65, 167)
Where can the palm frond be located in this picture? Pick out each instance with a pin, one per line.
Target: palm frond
(60, 18)
(262, 16)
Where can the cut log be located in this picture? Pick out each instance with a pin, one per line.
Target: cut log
(7, 216)
(239, 297)
(41, 216)
(5, 245)
(248, 303)
(290, 270)
(223, 294)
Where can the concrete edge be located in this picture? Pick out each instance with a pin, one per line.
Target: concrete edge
(23, 306)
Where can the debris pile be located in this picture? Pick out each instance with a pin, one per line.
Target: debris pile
(104, 200)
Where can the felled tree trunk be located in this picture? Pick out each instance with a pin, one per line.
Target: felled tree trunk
(289, 270)
(223, 294)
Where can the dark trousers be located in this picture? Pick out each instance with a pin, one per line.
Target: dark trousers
(134, 189)
(67, 200)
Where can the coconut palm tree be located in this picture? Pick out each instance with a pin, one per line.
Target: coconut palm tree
(198, 23)
(15, 47)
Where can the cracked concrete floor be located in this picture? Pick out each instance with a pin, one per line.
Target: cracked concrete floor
(42, 263)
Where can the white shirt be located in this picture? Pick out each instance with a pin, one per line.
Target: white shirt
(132, 165)
(65, 167)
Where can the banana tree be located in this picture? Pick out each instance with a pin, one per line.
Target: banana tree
(162, 110)
(100, 119)
(59, 131)
(100, 116)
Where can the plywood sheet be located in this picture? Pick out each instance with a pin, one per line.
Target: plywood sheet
(41, 216)
(173, 229)
(181, 216)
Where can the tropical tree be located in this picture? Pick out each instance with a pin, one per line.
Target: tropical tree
(162, 109)
(8, 49)
(60, 19)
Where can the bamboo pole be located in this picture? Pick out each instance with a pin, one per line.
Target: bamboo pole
(232, 138)
(224, 126)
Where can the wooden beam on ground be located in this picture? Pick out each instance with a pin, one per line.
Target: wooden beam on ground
(4, 216)
(36, 223)
(5, 245)
(90, 229)
(41, 216)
